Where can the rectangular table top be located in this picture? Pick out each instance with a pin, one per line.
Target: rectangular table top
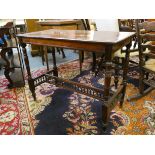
(107, 37)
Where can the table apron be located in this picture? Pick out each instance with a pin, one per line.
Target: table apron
(95, 47)
(66, 44)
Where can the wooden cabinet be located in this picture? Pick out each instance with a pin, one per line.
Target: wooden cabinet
(32, 26)
(63, 24)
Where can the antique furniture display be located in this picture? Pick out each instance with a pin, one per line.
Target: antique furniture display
(9, 43)
(146, 45)
(97, 41)
(119, 55)
(62, 24)
(128, 25)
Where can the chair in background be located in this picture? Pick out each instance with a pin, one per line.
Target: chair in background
(141, 28)
(128, 25)
(146, 46)
(119, 56)
(8, 42)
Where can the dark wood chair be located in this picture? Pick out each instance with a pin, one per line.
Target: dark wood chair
(8, 42)
(146, 46)
(147, 59)
(119, 56)
(128, 25)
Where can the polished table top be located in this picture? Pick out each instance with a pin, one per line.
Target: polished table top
(107, 37)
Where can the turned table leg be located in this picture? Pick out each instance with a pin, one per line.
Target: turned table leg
(30, 80)
(108, 74)
(94, 61)
(125, 72)
(81, 57)
(55, 69)
(116, 76)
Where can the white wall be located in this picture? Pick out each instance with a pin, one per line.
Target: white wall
(107, 24)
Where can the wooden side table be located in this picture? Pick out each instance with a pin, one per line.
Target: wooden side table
(97, 41)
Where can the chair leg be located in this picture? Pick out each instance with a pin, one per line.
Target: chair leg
(135, 43)
(141, 83)
(42, 55)
(63, 53)
(142, 92)
(46, 57)
(147, 76)
(81, 57)
(58, 49)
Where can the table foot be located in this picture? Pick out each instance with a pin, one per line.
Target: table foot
(34, 96)
(32, 88)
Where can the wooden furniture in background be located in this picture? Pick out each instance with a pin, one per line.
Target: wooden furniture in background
(20, 24)
(146, 46)
(62, 24)
(97, 41)
(32, 26)
(150, 20)
(8, 42)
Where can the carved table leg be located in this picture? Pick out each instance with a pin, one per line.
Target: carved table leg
(30, 80)
(99, 66)
(125, 72)
(108, 74)
(105, 117)
(54, 63)
(116, 72)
